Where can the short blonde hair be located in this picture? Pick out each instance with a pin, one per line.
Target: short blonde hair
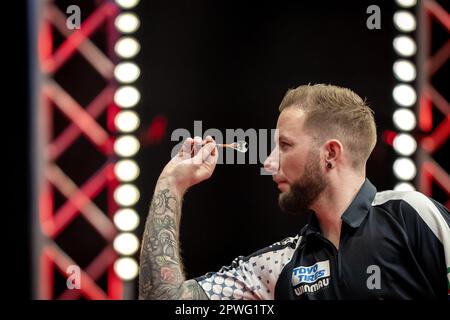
(336, 113)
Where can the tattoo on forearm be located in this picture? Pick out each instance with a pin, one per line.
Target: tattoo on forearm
(161, 271)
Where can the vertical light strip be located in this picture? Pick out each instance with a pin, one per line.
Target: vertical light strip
(404, 94)
(126, 145)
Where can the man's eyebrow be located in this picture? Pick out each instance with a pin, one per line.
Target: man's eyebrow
(283, 137)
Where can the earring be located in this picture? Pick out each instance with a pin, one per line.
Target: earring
(329, 165)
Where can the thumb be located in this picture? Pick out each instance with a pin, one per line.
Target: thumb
(205, 153)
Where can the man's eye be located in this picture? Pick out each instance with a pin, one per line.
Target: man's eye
(284, 145)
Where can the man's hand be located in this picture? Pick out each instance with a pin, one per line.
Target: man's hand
(161, 270)
(194, 163)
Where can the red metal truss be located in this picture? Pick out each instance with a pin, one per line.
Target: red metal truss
(430, 171)
(83, 121)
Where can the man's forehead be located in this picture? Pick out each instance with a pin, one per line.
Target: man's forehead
(289, 122)
(290, 116)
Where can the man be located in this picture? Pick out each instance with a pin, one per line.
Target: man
(359, 244)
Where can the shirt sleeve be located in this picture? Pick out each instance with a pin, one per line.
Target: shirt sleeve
(250, 278)
(428, 229)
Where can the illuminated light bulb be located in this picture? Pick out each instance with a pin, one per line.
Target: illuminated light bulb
(126, 268)
(127, 96)
(404, 95)
(127, 121)
(127, 22)
(127, 72)
(127, 47)
(126, 219)
(404, 169)
(404, 119)
(126, 195)
(126, 243)
(126, 146)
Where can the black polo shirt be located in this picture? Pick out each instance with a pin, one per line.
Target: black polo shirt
(393, 245)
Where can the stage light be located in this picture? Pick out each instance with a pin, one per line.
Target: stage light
(404, 169)
(126, 121)
(406, 3)
(404, 119)
(405, 144)
(126, 170)
(127, 22)
(127, 72)
(126, 146)
(405, 46)
(126, 219)
(404, 95)
(404, 186)
(404, 21)
(126, 195)
(126, 243)
(126, 268)
(127, 47)
(404, 70)
(127, 96)
(127, 4)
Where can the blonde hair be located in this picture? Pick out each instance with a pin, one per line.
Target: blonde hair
(336, 113)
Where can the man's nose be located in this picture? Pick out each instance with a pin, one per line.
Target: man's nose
(272, 162)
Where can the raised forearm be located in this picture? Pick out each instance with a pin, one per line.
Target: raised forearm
(161, 271)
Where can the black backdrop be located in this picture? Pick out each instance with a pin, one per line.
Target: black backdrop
(228, 64)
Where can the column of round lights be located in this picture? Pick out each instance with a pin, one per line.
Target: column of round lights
(126, 145)
(404, 94)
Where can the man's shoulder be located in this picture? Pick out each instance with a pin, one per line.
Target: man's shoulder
(399, 203)
(383, 197)
(413, 209)
(287, 244)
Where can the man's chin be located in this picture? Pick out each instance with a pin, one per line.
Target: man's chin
(283, 187)
(290, 204)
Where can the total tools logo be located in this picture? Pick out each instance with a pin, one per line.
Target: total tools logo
(311, 278)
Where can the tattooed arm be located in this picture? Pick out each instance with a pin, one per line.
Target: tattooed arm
(161, 273)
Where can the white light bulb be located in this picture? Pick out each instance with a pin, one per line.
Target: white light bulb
(405, 46)
(404, 186)
(126, 268)
(405, 144)
(127, 121)
(404, 95)
(404, 169)
(127, 96)
(127, 72)
(406, 3)
(404, 70)
(126, 195)
(127, 47)
(126, 170)
(404, 119)
(126, 243)
(126, 219)
(404, 21)
(127, 4)
(127, 22)
(126, 146)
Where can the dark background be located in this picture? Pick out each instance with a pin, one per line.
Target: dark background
(228, 64)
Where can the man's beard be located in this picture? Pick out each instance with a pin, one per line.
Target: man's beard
(305, 190)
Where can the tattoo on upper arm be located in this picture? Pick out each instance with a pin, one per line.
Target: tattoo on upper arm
(191, 290)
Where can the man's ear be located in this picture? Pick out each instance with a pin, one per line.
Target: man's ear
(333, 151)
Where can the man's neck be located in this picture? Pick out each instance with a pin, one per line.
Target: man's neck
(332, 203)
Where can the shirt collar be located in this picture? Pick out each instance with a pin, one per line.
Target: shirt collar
(355, 213)
(358, 209)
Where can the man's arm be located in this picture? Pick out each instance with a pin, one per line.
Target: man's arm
(161, 270)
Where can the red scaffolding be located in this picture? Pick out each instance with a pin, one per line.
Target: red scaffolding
(50, 220)
(433, 171)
